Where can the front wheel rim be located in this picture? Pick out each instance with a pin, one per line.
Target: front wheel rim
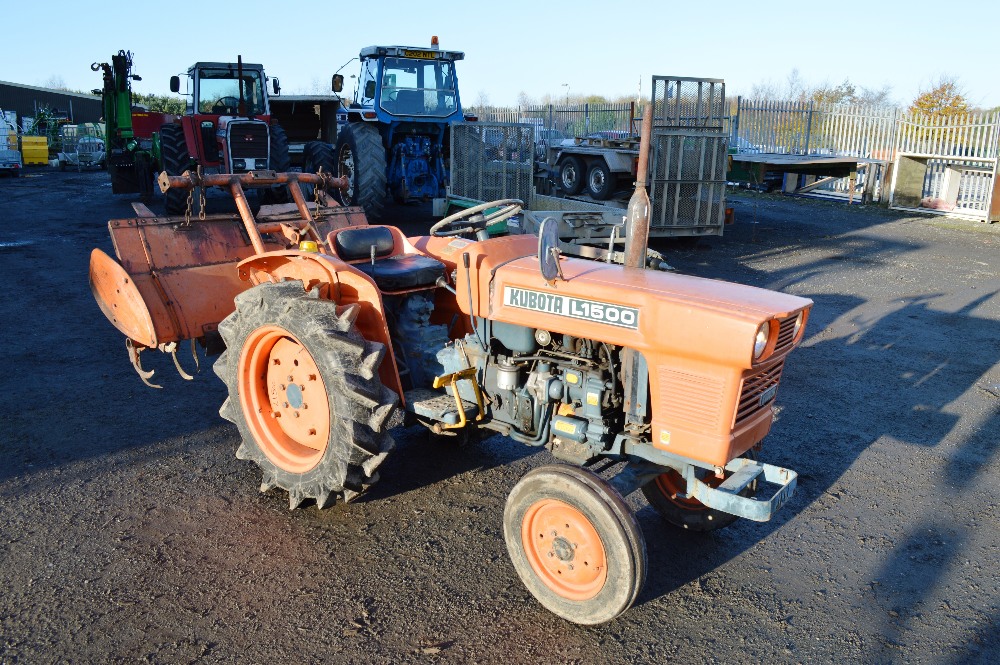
(284, 399)
(564, 549)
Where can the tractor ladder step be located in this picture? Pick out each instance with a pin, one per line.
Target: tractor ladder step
(437, 406)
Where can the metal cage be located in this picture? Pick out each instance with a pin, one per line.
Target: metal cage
(492, 160)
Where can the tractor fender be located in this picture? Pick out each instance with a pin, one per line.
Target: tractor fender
(336, 281)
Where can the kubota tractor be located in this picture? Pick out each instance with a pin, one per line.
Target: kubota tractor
(226, 128)
(335, 330)
(393, 138)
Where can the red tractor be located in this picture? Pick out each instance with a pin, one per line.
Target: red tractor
(226, 129)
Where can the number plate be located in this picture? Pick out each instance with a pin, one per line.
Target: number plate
(423, 55)
(768, 395)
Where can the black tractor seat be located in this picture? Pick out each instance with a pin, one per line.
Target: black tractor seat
(399, 272)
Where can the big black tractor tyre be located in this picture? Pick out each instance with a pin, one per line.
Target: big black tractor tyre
(280, 162)
(176, 160)
(360, 156)
(575, 543)
(305, 394)
(315, 156)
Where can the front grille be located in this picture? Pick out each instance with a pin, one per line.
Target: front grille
(754, 388)
(786, 334)
(248, 140)
(691, 399)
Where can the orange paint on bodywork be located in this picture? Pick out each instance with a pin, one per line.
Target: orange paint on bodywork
(697, 368)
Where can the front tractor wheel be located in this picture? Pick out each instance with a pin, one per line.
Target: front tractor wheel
(361, 158)
(316, 155)
(305, 394)
(575, 544)
(176, 160)
(664, 494)
(281, 162)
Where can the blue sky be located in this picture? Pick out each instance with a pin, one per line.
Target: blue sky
(513, 46)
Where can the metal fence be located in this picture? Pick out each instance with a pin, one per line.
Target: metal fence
(767, 126)
(569, 121)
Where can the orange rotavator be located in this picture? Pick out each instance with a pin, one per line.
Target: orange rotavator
(330, 330)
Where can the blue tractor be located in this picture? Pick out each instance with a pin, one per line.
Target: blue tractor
(393, 139)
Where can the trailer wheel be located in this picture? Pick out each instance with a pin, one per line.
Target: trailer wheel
(176, 160)
(575, 544)
(571, 174)
(316, 155)
(305, 394)
(280, 162)
(691, 514)
(361, 158)
(600, 181)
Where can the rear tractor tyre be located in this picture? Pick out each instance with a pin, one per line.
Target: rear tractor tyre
(575, 544)
(600, 181)
(280, 162)
(305, 394)
(176, 160)
(360, 156)
(571, 175)
(691, 514)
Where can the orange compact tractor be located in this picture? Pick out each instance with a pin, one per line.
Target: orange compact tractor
(334, 330)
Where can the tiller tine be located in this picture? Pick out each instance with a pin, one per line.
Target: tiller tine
(171, 348)
(133, 356)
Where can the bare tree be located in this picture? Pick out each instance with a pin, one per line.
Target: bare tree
(875, 96)
(55, 82)
(482, 99)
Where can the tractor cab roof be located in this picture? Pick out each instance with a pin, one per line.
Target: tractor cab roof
(223, 65)
(418, 52)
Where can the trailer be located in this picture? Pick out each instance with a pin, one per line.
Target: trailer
(687, 179)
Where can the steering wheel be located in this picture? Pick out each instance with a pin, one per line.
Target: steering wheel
(471, 219)
(227, 104)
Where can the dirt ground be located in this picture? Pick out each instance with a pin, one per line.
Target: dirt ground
(129, 532)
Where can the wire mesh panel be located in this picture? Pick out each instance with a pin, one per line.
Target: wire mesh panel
(491, 160)
(688, 185)
(684, 102)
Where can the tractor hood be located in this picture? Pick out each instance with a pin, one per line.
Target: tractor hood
(654, 312)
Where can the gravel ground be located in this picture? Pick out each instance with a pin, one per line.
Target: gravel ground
(129, 531)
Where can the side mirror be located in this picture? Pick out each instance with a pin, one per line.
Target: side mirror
(175, 84)
(369, 90)
(276, 86)
(338, 82)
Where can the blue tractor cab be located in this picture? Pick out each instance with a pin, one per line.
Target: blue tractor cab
(393, 139)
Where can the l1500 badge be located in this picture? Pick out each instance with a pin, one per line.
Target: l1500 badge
(574, 308)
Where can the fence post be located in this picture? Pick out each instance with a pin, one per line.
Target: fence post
(809, 124)
(736, 121)
(586, 119)
(550, 116)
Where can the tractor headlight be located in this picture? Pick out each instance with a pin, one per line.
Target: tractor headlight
(239, 164)
(760, 340)
(798, 324)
